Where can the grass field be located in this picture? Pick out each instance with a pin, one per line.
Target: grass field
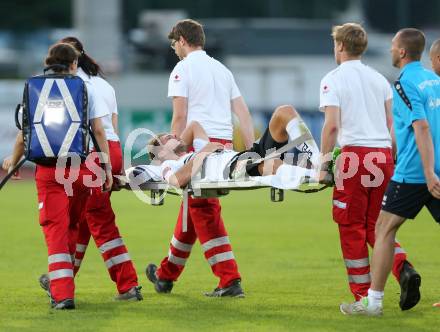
(288, 254)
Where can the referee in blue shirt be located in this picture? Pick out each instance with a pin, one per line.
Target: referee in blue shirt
(415, 183)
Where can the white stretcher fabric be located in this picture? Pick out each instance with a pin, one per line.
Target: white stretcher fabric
(287, 177)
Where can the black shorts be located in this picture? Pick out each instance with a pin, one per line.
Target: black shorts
(264, 146)
(407, 199)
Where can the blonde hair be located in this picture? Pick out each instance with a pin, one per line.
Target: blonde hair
(352, 36)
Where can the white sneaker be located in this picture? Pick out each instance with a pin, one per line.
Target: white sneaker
(361, 307)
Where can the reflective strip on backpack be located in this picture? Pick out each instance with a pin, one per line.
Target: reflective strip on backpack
(44, 142)
(67, 97)
(68, 139)
(42, 100)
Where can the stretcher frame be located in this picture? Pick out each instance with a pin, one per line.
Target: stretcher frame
(198, 188)
(210, 189)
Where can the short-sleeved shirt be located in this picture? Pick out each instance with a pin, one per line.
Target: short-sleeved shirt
(209, 87)
(360, 93)
(214, 165)
(97, 108)
(422, 90)
(107, 99)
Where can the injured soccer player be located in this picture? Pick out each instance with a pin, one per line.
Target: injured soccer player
(286, 140)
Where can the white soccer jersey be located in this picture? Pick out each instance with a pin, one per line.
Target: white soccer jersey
(360, 93)
(213, 167)
(106, 94)
(209, 87)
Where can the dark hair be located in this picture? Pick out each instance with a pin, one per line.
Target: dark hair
(62, 54)
(413, 41)
(190, 30)
(85, 62)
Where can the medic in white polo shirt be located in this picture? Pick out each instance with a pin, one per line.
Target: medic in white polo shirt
(203, 90)
(357, 101)
(99, 219)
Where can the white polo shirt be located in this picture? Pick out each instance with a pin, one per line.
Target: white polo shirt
(108, 97)
(96, 105)
(209, 87)
(360, 93)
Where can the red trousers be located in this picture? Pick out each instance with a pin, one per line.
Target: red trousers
(204, 222)
(100, 222)
(59, 215)
(356, 205)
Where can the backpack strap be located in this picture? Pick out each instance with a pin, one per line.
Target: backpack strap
(95, 142)
(17, 111)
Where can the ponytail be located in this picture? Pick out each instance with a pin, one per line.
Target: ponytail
(85, 62)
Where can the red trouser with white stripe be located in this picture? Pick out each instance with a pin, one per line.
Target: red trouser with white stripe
(204, 222)
(356, 207)
(59, 215)
(100, 222)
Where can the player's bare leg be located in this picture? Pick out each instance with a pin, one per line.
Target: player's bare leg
(381, 265)
(383, 252)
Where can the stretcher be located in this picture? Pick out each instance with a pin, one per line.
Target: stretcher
(209, 189)
(201, 188)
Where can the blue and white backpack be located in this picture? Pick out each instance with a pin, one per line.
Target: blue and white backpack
(55, 119)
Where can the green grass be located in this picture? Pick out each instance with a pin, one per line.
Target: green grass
(288, 254)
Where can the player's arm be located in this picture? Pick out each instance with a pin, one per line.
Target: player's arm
(101, 139)
(240, 109)
(183, 176)
(417, 119)
(180, 111)
(426, 150)
(329, 137)
(389, 119)
(192, 132)
(115, 123)
(17, 153)
(329, 103)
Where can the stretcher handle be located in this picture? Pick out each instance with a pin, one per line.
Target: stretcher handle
(12, 172)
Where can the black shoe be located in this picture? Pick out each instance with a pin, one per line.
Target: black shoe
(133, 294)
(233, 290)
(410, 282)
(66, 304)
(44, 282)
(161, 286)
